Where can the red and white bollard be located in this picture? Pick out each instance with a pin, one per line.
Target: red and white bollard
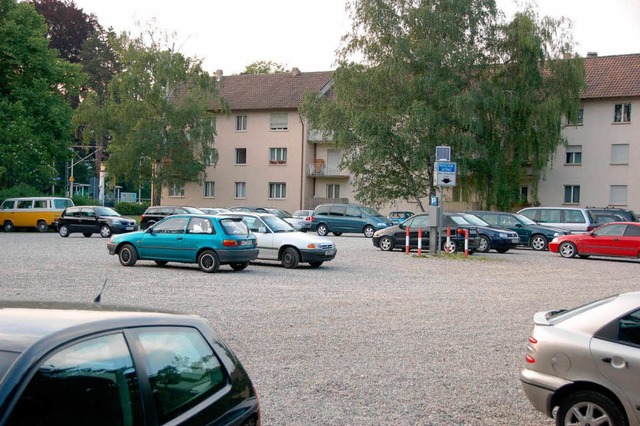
(466, 243)
(406, 242)
(419, 241)
(446, 246)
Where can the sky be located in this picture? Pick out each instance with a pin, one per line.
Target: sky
(231, 34)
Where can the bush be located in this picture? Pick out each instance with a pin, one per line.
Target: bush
(85, 201)
(21, 190)
(131, 209)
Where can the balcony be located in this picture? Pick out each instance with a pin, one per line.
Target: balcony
(317, 136)
(320, 170)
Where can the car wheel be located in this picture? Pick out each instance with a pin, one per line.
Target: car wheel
(208, 261)
(485, 244)
(322, 230)
(161, 262)
(9, 227)
(539, 242)
(337, 234)
(369, 231)
(587, 407)
(63, 230)
(42, 226)
(87, 234)
(239, 266)
(386, 244)
(315, 264)
(128, 255)
(105, 231)
(567, 250)
(451, 248)
(502, 251)
(290, 258)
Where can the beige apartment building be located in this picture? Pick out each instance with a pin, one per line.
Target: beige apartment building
(269, 156)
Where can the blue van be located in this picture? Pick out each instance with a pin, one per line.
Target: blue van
(351, 218)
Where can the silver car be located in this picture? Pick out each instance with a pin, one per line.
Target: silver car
(586, 362)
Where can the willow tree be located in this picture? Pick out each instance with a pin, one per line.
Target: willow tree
(155, 115)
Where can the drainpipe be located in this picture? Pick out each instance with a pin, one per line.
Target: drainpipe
(303, 178)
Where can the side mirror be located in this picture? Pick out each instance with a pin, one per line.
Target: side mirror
(150, 230)
(262, 229)
(518, 225)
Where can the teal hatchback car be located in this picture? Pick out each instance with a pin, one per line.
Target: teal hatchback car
(209, 241)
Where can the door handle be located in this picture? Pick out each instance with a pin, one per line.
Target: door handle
(616, 362)
(179, 238)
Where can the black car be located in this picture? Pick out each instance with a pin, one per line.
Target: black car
(154, 214)
(613, 214)
(493, 238)
(92, 364)
(89, 220)
(531, 234)
(394, 237)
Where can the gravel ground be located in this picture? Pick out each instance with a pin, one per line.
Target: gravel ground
(369, 338)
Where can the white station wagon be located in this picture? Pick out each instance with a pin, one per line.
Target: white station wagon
(279, 241)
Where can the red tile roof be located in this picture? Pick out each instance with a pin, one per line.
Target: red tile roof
(271, 91)
(612, 76)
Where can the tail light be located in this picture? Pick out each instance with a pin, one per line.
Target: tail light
(530, 359)
(460, 231)
(310, 218)
(230, 243)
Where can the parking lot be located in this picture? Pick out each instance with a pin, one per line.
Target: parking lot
(370, 338)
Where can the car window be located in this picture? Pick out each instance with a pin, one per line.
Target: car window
(491, 219)
(40, 204)
(421, 221)
(629, 328)
(475, 220)
(550, 216)
(62, 203)
(523, 219)
(182, 369)
(90, 383)
(253, 223)
(456, 220)
(234, 227)
(8, 204)
(574, 216)
(632, 231)
(610, 230)
(530, 214)
(338, 210)
(278, 225)
(87, 213)
(25, 204)
(172, 225)
(72, 211)
(322, 210)
(106, 211)
(353, 212)
(200, 225)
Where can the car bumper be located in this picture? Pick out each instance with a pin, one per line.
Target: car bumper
(318, 255)
(505, 243)
(540, 388)
(121, 229)
(112, 248)
(376, 241)
(237, 256)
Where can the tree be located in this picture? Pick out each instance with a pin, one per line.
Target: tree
(34, 114)
(154, 115)
(264, 67)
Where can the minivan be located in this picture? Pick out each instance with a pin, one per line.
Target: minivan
(351, 218)
(573, 219)
(41, 213)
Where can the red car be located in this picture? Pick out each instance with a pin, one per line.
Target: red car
(618, 239)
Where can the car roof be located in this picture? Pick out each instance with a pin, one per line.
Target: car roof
(22, 323)
(254, 214)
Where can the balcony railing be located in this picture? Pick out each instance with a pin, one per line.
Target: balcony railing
(317, 136)
(321, 170)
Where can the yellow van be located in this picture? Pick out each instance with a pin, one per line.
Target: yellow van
(32, 212)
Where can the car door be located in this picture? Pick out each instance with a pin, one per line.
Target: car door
(355, 220)
(165, 240)
(336, 219)
(608, 240)
(88, 220)
(200, 233)
(72, 219)
(268, 248)
(512, 223)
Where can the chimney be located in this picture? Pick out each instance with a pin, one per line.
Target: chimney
(592, 54)
(295, 71)
(218, 75)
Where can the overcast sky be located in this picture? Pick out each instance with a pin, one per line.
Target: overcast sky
(231, 34)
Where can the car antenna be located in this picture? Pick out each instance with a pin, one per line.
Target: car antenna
(99, 296)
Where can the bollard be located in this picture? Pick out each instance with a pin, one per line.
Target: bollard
(406, 242)
(446, 247)
(466, 243)
(419, 241)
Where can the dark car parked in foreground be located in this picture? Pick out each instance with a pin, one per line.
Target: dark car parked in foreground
(394, 237)
(92, 364)
(531, 234)
(491, 238)
(155, 214)
(90, 220)
(209, 241)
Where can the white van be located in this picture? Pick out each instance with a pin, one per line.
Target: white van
(41, 213)
(573, 219)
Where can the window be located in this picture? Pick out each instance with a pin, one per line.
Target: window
(629, 328)
(277, 190)
(241, 123)
(277, 155)
(574, 216)
(92, 382)
(240, 190)
(200, 225)
(172, 225)
(212, 158)
(574, 154)
(333, 191)
(209, 189)
(176, 190)
(622, 113)
(25, 204)
(241, 155)
(279, 121)
(578, 120)
(524, 194)
(618, 195)
(620, 153)
(572, 194)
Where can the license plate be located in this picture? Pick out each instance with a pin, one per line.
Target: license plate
(246, 243)
(329, 252)
(129, 228)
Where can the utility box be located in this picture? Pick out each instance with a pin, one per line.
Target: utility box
(434, 215)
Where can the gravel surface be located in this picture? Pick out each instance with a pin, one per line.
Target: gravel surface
(369, 338)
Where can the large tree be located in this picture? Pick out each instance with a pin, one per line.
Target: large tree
(35, 117)
(155, 114)
(426, 70)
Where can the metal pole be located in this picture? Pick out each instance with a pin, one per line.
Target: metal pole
(440, 217)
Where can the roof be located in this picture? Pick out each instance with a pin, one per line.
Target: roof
(271, 91)
(612, 76)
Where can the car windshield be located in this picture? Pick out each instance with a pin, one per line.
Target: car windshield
(475, 220)
(555, 317)
(370, 211)
(459, 220)
(6, 361)
(302, 213)
(278, 225)
(522, 218)
(106, 211)
(280, 213)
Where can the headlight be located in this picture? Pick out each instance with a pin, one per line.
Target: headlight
(117, 222)
(376, 234)
(503, 235)
(554, 240)
(311, 246)
(556, 234)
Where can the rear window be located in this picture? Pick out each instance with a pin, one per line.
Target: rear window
(6, 360)
(233, 226)
(62, 203)
(556, 317)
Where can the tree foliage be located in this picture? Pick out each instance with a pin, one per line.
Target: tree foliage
(440, 72)
(34, 114)
(154, 114)
(264, 67)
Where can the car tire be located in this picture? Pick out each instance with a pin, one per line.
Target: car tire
(485, 244)
(322, 230)
(575, 407)
(239, 266)
(451, 248)
(128, 255)
(369, 231)
(42, 226)
(161, 262)
(502, 250)
(567, 250)
(208, 261)
(63, 230)
(539, 242)
(105, 231)
(87, 234)
(337, 234)
(9, 226)
(315, 264)
(386, 244)
(290, 258)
